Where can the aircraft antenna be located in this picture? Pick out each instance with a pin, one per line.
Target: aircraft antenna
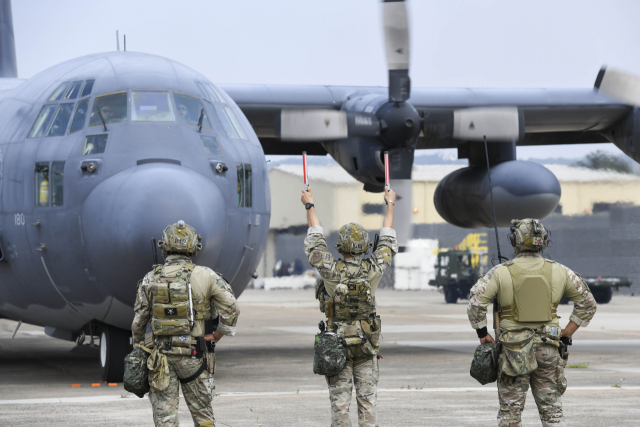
(117, 40)
(493, 206)
(154, 251)
(125, 42)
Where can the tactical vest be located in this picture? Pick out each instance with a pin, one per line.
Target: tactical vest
(356, 303)
(170, 307)
(532, 298)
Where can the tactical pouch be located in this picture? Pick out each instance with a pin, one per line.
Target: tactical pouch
(158, 370)
(171, 326)
(330, 354)
(181, 341)
(484, 366)
(136, 372)
(211, 363)
(518, 353)
(371, 330)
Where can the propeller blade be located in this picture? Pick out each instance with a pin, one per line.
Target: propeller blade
(400, 164)
(396, 37)
(496, 123)
(619, 85)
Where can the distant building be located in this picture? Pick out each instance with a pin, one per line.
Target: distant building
(586, 196)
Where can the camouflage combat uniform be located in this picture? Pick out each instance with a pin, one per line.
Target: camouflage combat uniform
(361, 368)
(548, 382)
(206, 285)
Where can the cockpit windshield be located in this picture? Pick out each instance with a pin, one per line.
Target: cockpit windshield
(152, 106)
(190, 109)
(113, 108)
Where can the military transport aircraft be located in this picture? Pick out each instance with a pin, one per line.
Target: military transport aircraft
(100, 153)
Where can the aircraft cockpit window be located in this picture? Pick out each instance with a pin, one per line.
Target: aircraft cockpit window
(208, 93)
(217, 93)
(152, 106)
(189, 110)
(43, 121)
(88, 85)
(57, 183)
(236, 123)
(113, 108)
(230, 122)
(61, 120)
(60, 90)
(244, 185)
(210, 145)
(94, 144)
(80, 115)
(42, 184)
(74, 89)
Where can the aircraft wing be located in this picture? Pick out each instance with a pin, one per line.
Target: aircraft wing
(550, 116)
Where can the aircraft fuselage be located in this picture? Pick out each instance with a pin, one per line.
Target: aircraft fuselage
(80, 204)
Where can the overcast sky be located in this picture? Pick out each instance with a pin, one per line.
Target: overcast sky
(461, 43)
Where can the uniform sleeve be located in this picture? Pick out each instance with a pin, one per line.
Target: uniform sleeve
(315, 248)
(387, 249)
(584, 305)
(142, 313)
(482, 293)
(223, 298)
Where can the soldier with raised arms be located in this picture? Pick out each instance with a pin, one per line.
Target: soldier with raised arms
(173, 303)
(349, 294)
(528, 290)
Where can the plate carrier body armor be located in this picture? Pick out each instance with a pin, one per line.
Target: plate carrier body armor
(357, 303)
(170, 322)
(532, 298)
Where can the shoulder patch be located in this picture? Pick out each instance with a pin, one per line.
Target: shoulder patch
(316, 257)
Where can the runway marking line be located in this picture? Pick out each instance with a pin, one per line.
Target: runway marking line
(128, 398)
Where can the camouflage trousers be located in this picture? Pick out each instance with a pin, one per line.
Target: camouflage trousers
(548, 384)
(198, 394)
(364, 374)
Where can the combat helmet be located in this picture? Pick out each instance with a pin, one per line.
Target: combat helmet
(180, 238)
(528, 235)
(353, 239)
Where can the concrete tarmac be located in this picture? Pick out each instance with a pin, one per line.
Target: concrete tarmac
(264, 374)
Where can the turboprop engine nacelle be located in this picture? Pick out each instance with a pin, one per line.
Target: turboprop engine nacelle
(520, 190)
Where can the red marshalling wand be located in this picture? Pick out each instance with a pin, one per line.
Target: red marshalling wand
(304, 171)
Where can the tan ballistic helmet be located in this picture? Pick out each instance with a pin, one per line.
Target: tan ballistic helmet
(528, 235)
(180, 238)
(352, 239)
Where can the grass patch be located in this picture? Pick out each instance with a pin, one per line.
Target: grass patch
(580, 366)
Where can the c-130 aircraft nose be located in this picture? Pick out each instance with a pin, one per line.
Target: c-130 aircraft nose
(123, 213)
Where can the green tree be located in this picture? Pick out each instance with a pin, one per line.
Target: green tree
(601, 160)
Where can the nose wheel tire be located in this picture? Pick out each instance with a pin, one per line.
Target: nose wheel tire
(114, 346)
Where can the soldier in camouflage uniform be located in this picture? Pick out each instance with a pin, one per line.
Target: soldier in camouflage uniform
(528, 290)
(350, 288)
(160, 312)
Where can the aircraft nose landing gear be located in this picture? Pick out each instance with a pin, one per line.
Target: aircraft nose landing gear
(115, 344)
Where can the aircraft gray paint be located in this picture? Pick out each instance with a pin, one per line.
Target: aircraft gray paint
(83, 194)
